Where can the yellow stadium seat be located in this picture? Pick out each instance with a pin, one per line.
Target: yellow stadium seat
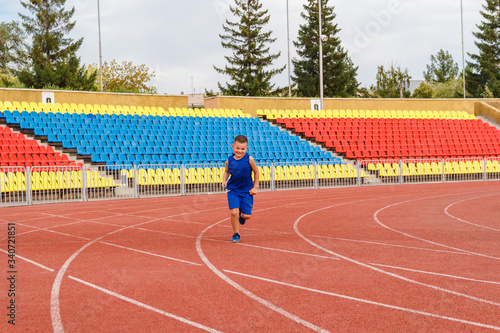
(34, 106)
(16, 106)
(3, 182)
(25, 106)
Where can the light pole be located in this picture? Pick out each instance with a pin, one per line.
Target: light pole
(320, 33)
(463, 48)
(288, 41)
(100, 48)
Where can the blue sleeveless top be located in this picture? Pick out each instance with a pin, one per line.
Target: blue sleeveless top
(241, 174)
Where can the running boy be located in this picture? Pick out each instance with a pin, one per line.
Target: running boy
(240, 187)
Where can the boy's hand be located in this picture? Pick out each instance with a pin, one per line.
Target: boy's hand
(224, 184)
(253, 191)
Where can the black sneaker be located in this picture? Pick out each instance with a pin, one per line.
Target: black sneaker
(242, 220)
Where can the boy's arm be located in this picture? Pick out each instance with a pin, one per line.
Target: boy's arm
(256, 173)
(225, 177)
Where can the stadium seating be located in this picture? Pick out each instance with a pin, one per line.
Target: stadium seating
(121, 139)
(367, 135)
(115, 135)
(373, 114)
(16, 150)
(156, 141)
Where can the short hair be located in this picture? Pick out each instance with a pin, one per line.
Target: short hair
(240, 139)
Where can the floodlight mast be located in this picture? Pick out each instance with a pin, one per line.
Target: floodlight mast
(100, 47)
(463, 47)
(320, 37)
(288, 42)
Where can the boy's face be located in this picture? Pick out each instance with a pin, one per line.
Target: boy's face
(239, 149)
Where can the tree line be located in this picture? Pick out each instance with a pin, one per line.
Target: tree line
(248, 66)
(39, 54)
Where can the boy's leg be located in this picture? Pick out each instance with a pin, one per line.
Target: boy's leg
(234, 204)
(246, 205)
(235, 220)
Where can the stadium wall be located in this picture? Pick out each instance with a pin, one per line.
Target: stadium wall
(252, 104)
(488, 109)
(84, 97)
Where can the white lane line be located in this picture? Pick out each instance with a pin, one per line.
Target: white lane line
(145, 306)
(375, 217)
(295, 227)
(36, 229)
(55, 311)
(247, 292)
(467, 222)
(32, 262)
(275, 249)
(153, 254)
(221, 241)
(54, 300)
(164, 232)
(120, 246)
(439, 274)
(386, 244)
(366, 301)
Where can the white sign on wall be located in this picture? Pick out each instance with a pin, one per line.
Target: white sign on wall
(315, 104)
(48, 97)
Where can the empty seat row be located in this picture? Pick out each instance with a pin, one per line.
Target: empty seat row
(117, 109)
(47, 180)
(412, 114)
(427, 168)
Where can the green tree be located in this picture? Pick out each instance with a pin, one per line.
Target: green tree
(442, 68)
(124, 77)
(339, 73)
(51, 52)
(11, 46)
(423, 91)
(450, 89)
(392, 83)
(484, 69)
(247, 66)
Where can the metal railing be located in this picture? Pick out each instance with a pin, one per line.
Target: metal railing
(39, 185)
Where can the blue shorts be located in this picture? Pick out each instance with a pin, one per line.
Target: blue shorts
(241, 200)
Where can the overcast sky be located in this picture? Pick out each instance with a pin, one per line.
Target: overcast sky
(179, 40)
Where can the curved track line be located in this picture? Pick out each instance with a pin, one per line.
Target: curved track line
(55, 312)
(56, 286)
(362, 300)
(423, 239)
(247, 292)
(125, 298)
(467, 222)
(295, 227)
(145, 306)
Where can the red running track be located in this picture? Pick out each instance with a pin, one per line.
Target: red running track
(419, 258)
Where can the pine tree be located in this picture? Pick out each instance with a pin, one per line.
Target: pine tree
(483, 72)
(247, 65)
(442, 68)
(51, 53)
(339, 73)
